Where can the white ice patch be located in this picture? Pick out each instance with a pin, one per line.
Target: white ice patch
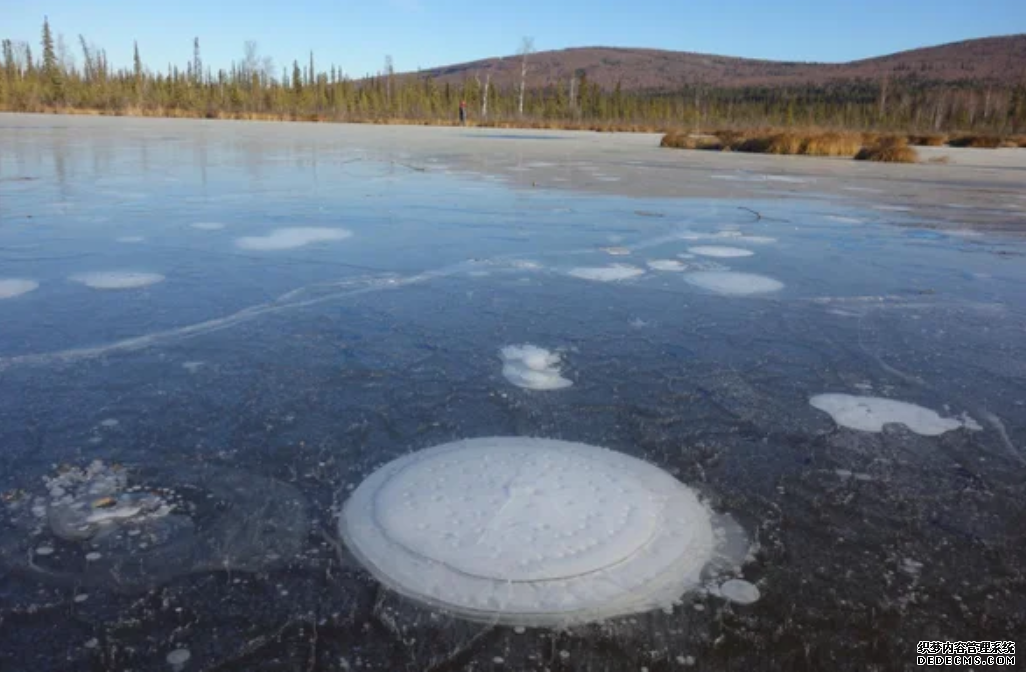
(531, 367)
(734, 283)
(720, 251)
(117, 281)
(610, 273)
(209, 227)
(891, 207)
(666, 265)
(535, 532)
(870, 413)
(617, 250)
(12, 288)
(733, 235)
(788, 179)
(292, 237)
(739, 591)
(844, 219)
(130, 240)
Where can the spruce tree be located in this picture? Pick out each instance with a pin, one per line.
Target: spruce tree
(51, 71)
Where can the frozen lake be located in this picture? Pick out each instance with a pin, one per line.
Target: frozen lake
(228, 326)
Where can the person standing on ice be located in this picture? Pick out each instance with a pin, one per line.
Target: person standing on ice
(463, 113)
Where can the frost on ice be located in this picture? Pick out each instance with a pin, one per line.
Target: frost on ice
(870, 413)
(531, 367)
(535, 532)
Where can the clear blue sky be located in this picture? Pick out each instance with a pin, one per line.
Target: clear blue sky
(425, 33)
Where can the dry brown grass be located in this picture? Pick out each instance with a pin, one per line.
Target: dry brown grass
(812, 142)
(832, 144)
(730, 138)
(929, 140)
(687, 141)
(975, 141)
(870, 137)
(893, 149)
(1018, 141)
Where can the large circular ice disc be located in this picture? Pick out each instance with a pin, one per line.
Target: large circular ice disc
(533, 531)
(517, 512)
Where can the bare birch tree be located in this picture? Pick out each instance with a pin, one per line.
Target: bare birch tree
(484, 97)
(526, 48)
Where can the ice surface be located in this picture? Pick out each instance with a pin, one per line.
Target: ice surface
(666, 265)
(870, 413)
(116, 281)
(611, 273)
(720, 251)
(531, 367)
(208, 226)
(292, 237)
(734, 283)
(12, 288)
(530, 531)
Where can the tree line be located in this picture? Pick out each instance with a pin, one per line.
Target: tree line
(252, 87)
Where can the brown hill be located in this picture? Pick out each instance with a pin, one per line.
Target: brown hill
(995, 60)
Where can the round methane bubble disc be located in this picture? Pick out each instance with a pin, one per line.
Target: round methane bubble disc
(535, 532)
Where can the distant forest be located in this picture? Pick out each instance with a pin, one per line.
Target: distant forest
(62, 78)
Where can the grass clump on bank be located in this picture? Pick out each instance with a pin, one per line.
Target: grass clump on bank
(812, 143)
(832, 144)
(976, 141)
(894, 149)
(685, 141)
